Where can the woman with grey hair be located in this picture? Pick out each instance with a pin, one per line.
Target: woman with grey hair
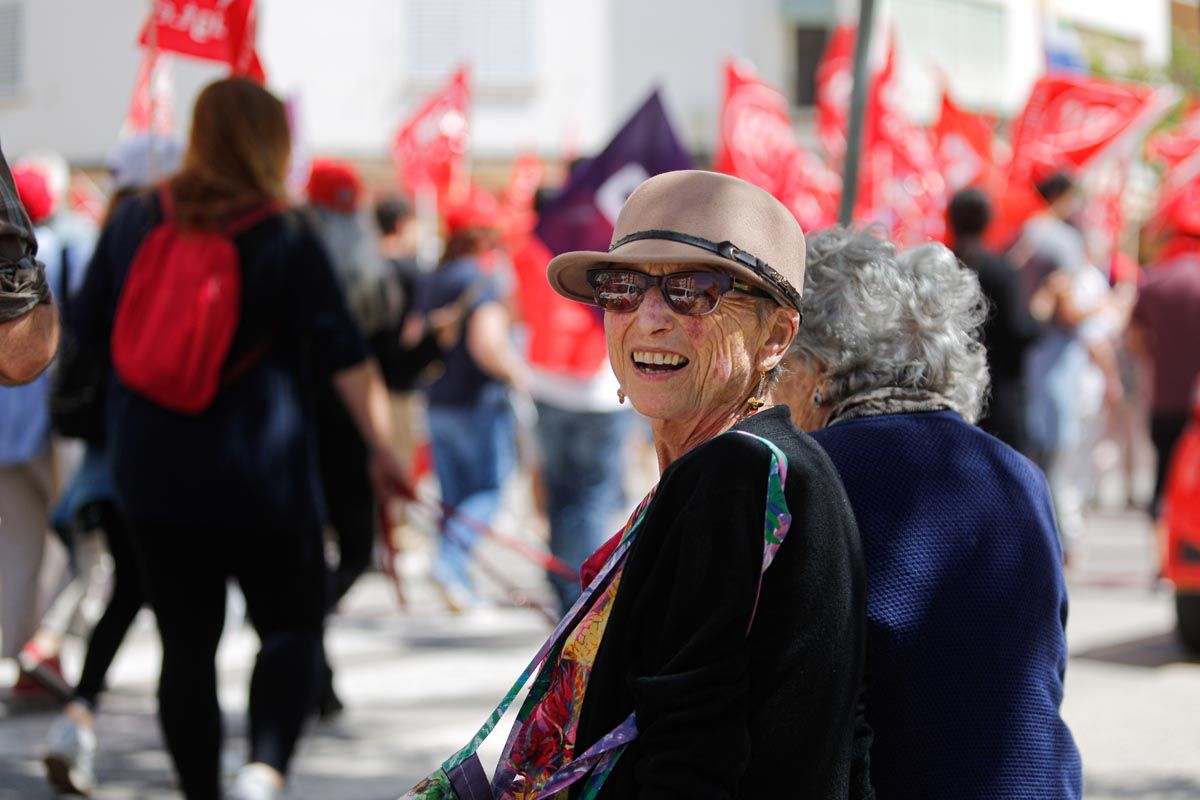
(966, 604)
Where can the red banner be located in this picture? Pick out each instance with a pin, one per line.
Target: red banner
(429, 148)
(213, 30)
(1069, 120)
(901, 185)
(1178, 149)
(757, 144)
(963, 146)
(151, 109)
(835, 79)
(1173, 147)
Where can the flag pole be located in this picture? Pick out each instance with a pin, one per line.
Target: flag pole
(858, 104)
(428, 243)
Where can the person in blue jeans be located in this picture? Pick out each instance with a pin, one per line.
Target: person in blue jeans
(470, 420)
(582, 466)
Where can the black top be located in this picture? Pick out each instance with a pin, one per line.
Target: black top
(1009, 328)
(463, 281)
(250, 458)
(720, 714)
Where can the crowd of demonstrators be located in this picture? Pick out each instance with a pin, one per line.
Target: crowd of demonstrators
(966, 602)
(1055, 339)
(231, 489)
(464, 306)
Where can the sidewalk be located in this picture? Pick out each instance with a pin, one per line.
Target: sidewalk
(416, 685)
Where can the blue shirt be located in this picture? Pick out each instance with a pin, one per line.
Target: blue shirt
(25, 410)
(966, 611)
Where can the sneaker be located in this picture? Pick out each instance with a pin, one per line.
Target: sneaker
(71, 757)
(255, 782)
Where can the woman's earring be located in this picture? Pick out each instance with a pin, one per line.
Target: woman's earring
(759, 399)
(817, 398)
(621, 396)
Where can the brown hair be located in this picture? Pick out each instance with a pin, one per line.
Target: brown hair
(237, 155)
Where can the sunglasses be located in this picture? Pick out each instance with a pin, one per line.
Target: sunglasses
(690, 293)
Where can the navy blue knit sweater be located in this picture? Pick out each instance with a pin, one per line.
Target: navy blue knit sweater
(966, 611)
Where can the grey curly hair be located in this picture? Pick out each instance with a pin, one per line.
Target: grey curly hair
(875, 318)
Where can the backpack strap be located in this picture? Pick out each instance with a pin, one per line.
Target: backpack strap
(254, 216)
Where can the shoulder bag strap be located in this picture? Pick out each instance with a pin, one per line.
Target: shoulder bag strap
(564, 627)
(597, 762)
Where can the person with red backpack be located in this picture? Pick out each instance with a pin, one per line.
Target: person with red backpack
(219, 304)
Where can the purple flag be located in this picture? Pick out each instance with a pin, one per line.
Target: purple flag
(582, 216)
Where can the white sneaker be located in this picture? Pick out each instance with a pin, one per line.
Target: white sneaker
(71, 757)
(255, 782)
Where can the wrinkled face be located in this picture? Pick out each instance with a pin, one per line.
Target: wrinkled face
(674, 366)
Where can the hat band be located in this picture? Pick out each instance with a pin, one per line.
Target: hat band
(726, 250)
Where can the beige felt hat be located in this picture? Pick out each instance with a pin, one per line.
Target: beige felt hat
(698, 217)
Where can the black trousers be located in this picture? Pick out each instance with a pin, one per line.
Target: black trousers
(1165, 430)
(123, 604)
(281, 572)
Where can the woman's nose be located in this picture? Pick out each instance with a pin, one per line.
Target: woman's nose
(654, 314)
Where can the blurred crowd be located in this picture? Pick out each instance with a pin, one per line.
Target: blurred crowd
(365, 381)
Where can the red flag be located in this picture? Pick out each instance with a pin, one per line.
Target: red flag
(1069, 120)
(1173, 147)
(963, 146)
(835, 79)
(429, 148)
(151, 107)
(213, 30)
(757, 144)
(901, 184)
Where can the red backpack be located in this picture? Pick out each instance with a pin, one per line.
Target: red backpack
(179, 309)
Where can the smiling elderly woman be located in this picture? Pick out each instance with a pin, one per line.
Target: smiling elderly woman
(718, 677)
(966, 604)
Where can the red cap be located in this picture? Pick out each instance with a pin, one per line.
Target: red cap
(334, 184)
(34, 190)
(479, 209)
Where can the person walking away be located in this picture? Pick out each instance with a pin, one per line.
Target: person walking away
(1166, 331)
(966, 602)
(222, 481)
(470, 420)
(1009, 328)
(89, 504)
(32, 562)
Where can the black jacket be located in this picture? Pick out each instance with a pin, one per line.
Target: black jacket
(720, 714)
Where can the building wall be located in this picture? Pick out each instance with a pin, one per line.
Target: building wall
(556, 77)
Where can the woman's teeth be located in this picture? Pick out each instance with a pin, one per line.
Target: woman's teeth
(658, 361)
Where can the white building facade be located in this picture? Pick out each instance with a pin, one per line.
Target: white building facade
(548, 76)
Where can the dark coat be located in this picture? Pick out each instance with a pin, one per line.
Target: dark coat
(720, 714)
(966, 611)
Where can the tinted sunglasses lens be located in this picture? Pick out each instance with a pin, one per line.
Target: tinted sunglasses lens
(694, 293)
(617, 290)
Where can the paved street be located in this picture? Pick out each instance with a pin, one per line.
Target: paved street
(417, 683)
